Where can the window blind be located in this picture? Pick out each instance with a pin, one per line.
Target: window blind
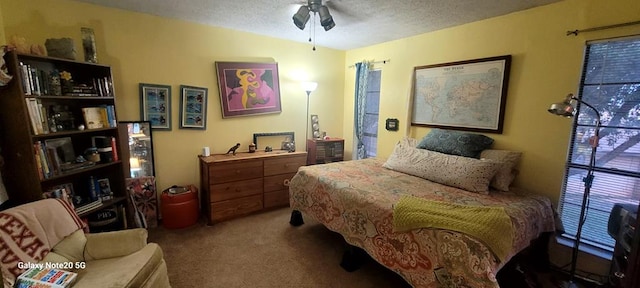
(611, 83)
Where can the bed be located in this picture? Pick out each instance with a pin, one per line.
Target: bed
(356, 199)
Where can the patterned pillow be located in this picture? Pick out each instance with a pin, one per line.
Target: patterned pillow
(462, 172)
(507, 172)
(408, 141)
(455, 142)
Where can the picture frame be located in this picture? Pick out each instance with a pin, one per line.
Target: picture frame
(248, 89)
(104, 189)
(465, 95)
(155, 105)
(392, 124)
(274, 138)
(63, 148)
(193, 107)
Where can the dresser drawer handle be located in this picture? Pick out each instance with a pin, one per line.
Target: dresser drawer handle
(286, 182)
(237, 172)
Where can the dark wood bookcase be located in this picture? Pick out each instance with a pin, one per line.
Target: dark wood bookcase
(324, 151)
(19, 138)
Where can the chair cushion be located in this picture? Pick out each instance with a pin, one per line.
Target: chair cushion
(72, 246)
(128, 271)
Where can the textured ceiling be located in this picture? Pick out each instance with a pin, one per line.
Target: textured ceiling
(359, 23)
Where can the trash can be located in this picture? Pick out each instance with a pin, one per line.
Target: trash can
(179, 206)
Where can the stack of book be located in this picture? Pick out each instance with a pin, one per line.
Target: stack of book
(81, 90)
(88, 206)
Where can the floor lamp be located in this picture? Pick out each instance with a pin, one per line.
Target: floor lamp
(308, 87)
(567, 110)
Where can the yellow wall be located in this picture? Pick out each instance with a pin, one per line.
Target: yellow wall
(546, 66)
(2, 36)
(148, 49)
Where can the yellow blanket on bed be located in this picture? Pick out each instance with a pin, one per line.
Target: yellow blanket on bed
(491, 225)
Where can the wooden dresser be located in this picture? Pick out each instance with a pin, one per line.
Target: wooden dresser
(237, 185)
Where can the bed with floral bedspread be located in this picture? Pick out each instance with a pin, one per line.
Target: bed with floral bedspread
(356, 198)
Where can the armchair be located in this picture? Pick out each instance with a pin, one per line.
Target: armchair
(49, 231)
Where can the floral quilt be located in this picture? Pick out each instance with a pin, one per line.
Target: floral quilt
(356, 198)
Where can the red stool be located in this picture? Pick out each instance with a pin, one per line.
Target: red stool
(179, 207)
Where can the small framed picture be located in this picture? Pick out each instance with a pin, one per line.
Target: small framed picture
(193, 107)
(104, 189)
(155, 105)
(392, 124)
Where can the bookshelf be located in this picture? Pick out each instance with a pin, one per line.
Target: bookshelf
(44, 131)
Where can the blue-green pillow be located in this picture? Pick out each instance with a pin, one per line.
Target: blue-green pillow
(455, 142)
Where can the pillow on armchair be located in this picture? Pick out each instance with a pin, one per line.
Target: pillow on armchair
(455, 142)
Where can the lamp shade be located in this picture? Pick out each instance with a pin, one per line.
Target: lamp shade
(309, 86)
(325, 18)
(301, 17)
(564, 108)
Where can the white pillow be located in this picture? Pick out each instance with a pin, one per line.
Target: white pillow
(408, 141)
(507, 172)
(462, 172)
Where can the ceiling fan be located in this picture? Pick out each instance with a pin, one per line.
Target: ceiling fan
(301, 17)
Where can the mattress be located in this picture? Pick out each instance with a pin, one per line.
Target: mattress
(356, 198)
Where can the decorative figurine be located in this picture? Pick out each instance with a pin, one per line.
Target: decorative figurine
(233, 149)
(268, 149)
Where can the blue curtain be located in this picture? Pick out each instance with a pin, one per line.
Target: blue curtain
(362, 75)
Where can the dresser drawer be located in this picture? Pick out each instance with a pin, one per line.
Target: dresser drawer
(283, 165)
(236, 207)
(237, 189)
(277, 182)
(276, 199)
(241, 170)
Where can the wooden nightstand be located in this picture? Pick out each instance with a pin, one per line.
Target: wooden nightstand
(324, 151)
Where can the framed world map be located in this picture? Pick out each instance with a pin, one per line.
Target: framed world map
(465, 95)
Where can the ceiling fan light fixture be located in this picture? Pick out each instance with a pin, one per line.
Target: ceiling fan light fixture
(301, 17)
(325, 18)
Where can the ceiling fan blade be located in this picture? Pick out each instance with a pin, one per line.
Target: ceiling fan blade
(338, 7)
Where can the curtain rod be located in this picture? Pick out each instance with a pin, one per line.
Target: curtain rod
(375, 62)
(575, 32)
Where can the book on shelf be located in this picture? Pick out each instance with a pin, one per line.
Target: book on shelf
(114, 149)
(95, 117)
(35, 116)
(103, 86)
(82, 90)
(26, 78)
(63, 191)
(111, 115)
(37, 277)
(104, 189)
(93, 189)
(88, 206)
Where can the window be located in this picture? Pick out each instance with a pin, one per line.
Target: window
(371, 113)
(611, 83)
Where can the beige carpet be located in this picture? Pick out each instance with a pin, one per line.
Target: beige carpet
(263, 250)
